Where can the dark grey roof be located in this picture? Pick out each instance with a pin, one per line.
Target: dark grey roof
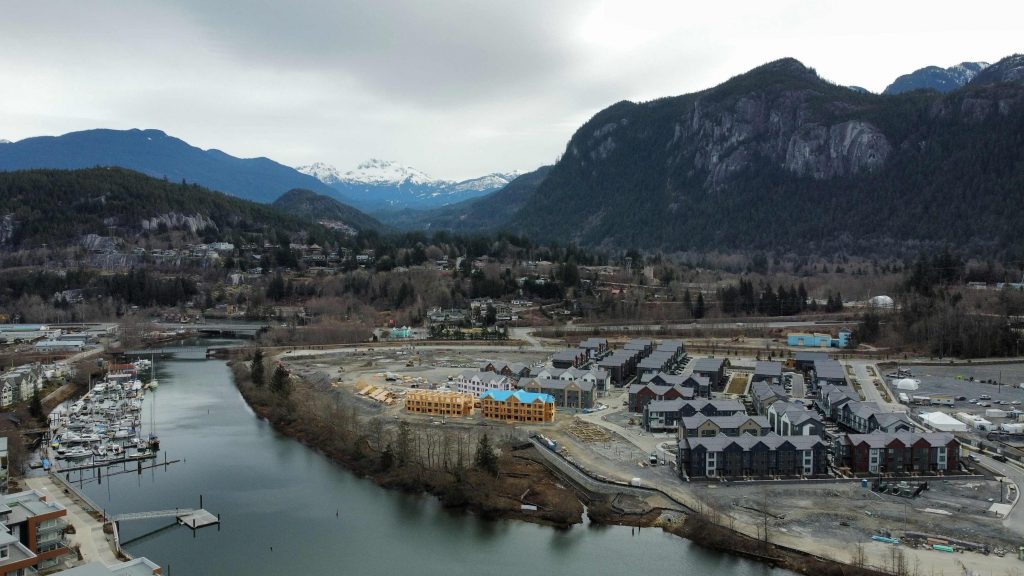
(719, 405)
(557, 384)
(707, 364)
(881, 439)
(763, 391)
(729, 422)
(661, 390)
(666, 405)
(746, 442)
(797, 412)
(862, 409)
(669, 379)
(887, 419)
(836, 394)
(653, 363)
(770, 369)
(829, 369)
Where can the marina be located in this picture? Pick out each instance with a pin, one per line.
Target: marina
(105, 426)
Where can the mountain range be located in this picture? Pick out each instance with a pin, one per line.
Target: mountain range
(383, 185)
(156, 154)
(773, 159)
(779, 159)
(935, 78)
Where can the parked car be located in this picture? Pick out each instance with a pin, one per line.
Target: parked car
(985, 397)
(999, 458)
(961, 398)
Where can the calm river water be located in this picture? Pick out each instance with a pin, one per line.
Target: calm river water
(287, 510)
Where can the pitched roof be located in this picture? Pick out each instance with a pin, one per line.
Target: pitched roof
(674, 405)
(829, 369)
(836, 394)
(887, 419)
(764, 391)
(745, 442)
(734, 421)
(558, 384)
(862, 409)
(770, 369)
(883, 439)
(522, 396)
(708, 364)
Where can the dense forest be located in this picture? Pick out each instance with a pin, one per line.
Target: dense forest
(59, 207)
(319, 208)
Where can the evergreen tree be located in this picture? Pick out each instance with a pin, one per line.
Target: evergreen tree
(486, 459)
(35, 408)
(257, 370)
(280, 383)
(698, 309)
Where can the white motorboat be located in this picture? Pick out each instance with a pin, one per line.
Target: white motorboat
(77, 453)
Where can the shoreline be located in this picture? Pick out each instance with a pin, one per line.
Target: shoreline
(692, 526)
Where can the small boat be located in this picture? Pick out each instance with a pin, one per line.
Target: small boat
(153, 384)
(46, 464)
(77, 453)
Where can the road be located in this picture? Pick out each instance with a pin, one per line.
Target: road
(703, 325)
(1014, 521)
(799, 387)
(871, 394)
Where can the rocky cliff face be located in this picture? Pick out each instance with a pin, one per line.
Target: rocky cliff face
(176, 221)
(663, 172)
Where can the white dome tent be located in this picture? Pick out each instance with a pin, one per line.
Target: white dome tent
(882, 301)
(908, 384)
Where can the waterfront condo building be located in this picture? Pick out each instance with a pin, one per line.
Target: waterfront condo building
(32, 533)
(439, 403)
(518, 406)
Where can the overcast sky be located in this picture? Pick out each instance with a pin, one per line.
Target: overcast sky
(457, 88)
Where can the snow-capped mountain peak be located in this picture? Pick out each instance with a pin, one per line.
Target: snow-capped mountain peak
(383, 184)
(375, 171)
(489, 182)
(322, 171)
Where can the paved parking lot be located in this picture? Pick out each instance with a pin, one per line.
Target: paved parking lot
(956, 381)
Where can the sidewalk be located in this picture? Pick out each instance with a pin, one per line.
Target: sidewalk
(88, 535)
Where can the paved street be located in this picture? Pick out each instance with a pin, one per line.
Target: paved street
(871, 394)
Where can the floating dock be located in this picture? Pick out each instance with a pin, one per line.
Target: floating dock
(197, 519)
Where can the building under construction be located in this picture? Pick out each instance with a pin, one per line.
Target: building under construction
(439, 402)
